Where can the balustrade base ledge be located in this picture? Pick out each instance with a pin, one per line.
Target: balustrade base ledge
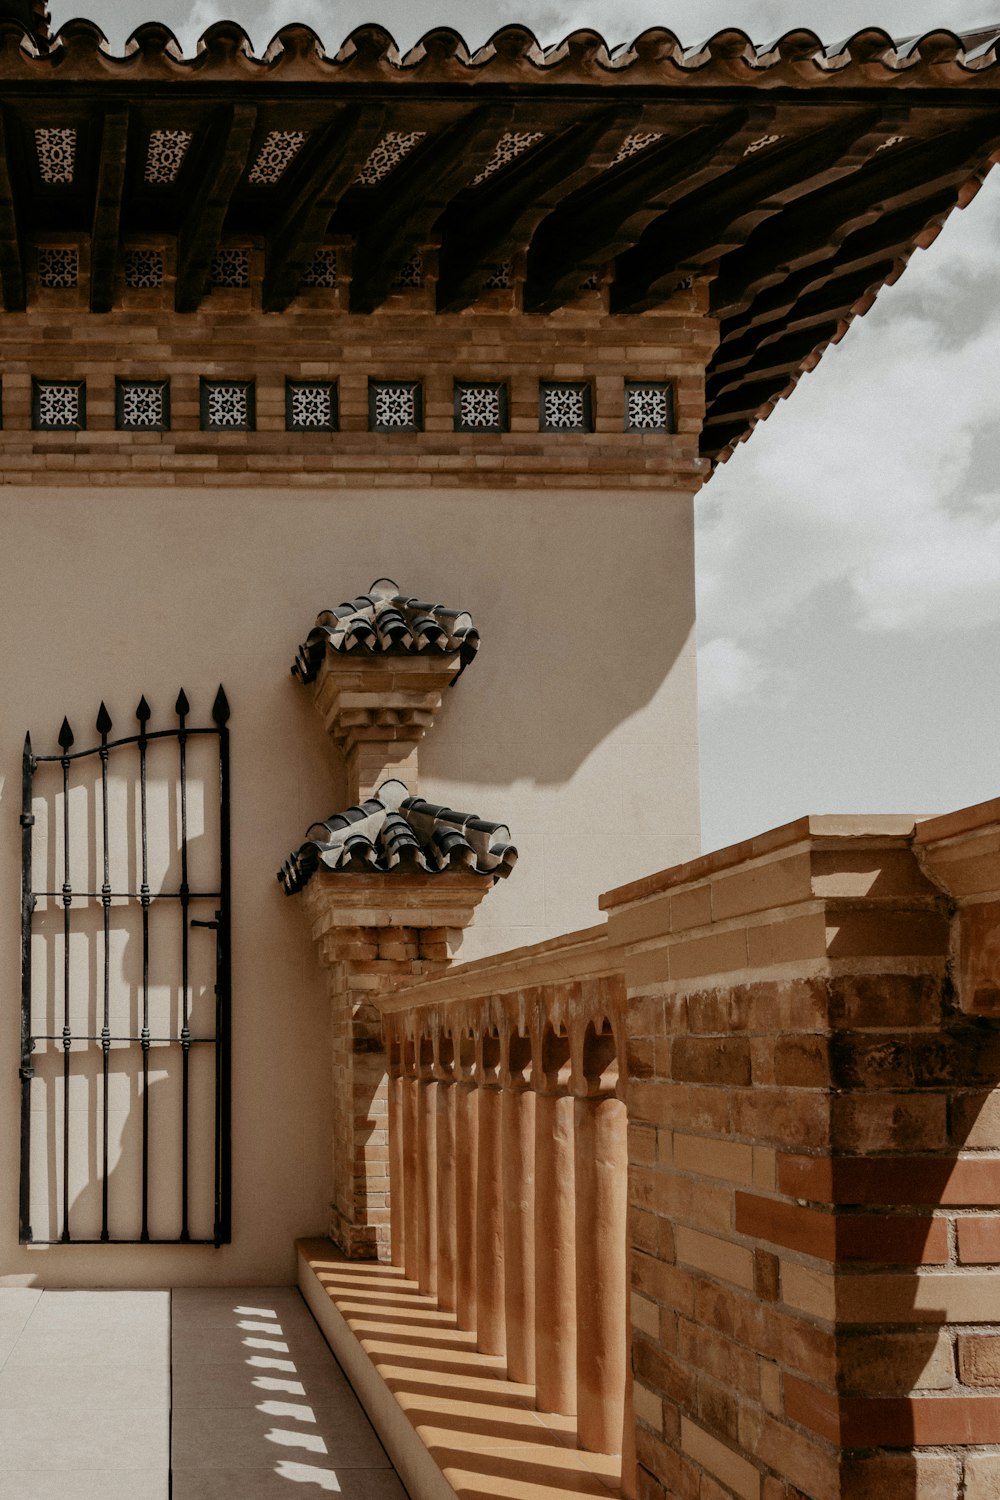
(434, 1437)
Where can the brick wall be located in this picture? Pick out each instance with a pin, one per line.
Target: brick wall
(58, 339)
(815, 1181)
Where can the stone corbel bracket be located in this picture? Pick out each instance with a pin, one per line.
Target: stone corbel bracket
(378, 666)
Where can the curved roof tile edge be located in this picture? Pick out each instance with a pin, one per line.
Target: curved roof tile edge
(727, 57)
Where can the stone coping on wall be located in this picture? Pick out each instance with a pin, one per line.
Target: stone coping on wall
(448, 1417)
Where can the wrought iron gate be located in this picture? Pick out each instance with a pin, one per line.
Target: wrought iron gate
(138, 796)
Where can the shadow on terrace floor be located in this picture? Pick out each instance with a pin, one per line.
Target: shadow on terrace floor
(261, 1410)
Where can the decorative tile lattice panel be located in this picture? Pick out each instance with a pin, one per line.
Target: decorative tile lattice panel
(311, 406)
(276, 154)
(228, 406)
(501, 277)
(649, 406)
(165, 155)
(142, 405)
(144, 268)
(58, 265)
(58, 405)
(56, 148)
(322, 270)
(565, 406)
(633, 144)
(511, 145)
(231, 266)
(411, 273)
(388, 154)
(592, 283)
(395, 405)
(481, 406)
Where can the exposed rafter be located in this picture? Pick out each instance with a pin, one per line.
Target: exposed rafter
(789, 183)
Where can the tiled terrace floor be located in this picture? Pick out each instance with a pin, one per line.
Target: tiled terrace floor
(194, 1395)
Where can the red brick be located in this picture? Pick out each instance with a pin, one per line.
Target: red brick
(801, 1061)
(812, 1407)
(901, 1476)
(919, 1422)
(902, 1181)
(979, 1358)
(714, 1060)
(979, 1240)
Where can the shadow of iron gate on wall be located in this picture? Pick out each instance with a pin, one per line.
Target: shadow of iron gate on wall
(125, 986)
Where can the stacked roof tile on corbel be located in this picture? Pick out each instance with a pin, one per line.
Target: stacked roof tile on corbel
(378, 666)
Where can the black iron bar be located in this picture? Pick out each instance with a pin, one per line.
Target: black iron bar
(154, 896)
(223, 1022)
(142, 714)
(129, 739)
(103, 726)
(182, 708)
(27, 1044)
(65, 740)
(96, 1036)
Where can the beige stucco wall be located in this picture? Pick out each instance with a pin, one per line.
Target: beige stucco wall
(576, 725)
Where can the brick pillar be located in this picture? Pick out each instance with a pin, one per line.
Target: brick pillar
(375, 934)
(814, 1057)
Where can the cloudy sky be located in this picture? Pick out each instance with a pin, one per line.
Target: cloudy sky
(849, 554)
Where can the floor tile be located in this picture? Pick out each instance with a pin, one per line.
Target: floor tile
(92, 1484)
(62, 1386)
(235, 1383)
(290, 1429)
(85, 1437)
(315, 1477)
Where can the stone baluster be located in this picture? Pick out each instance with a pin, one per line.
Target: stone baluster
(555, 1228)
(466, 1097)
(601, 1171)
(397, 1169)
(410, 1152)
(444, 1073)
(518, 1124)
(490, 1323)
(427, 1090)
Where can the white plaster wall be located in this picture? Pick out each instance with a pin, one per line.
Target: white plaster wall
(576, 725)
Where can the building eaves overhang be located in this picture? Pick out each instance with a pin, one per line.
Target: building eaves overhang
(793, 179)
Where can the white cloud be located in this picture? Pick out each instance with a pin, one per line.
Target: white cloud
(863, 481)
(728, 673)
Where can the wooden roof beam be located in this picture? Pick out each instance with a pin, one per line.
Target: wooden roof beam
(815, 227)
(105, 234)
(891, 235)
(607, 218)
(404, 220)
(340, 153)
(12, 279)
(694, 235)
(502, 225)
(201, 229)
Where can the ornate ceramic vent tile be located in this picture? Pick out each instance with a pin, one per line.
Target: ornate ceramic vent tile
(395, 405)
(633, 144)
(144, 268)
(649, 406)
(762, 144)
(388, 154)
(58, 265)
(228, 406)
(511, 145)
(278, 151)
(165, 155)
(231, 267)
(58, 405)
(411, 273)
(56, 147)
(142, 405)
(481, 406)
(592, 283)
(311, 405)
(565, 406)
(322, 269)
(501, 276)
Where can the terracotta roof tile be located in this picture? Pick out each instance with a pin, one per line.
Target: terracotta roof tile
(393, 831)
(386, 622)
